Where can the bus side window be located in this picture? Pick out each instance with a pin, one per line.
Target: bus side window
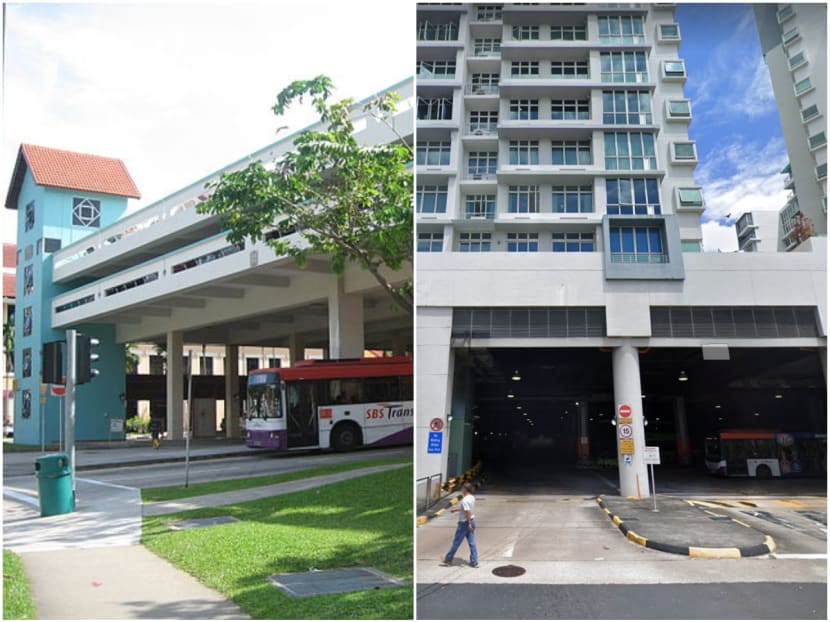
(405, 390)
(380, 389)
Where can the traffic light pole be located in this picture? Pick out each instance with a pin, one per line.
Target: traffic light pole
(69, 401)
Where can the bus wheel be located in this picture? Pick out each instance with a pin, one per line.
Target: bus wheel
(763, 472)
(345, 437)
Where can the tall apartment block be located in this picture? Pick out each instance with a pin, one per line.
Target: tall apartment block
(794, 42)
(559, 239)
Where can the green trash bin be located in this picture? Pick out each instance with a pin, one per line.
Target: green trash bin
(54, 484)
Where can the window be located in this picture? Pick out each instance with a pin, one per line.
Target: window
(629, 151)
(679, 109)
(483, 121)
(569, 69)
(485, 83)
(430, 242)
(568, 33)
(86, 212)
(526, 33)
(821, 171)
(669, 32)
(431, 199)
(524, 68)
(785, 13)
(474, 243)
(435, 108)
(27, 321)
(637, 245)
(28, 280)
(790, 36)
(28, 252)
(433, 153)
(27, 362)
(809, 113)
(524, 109)
(573, 242)
(251, 363)
(674, 69)
(690, 246)
(522, 242)
(690, 197)
(488, 13)
(623, 67)
(620, 29)
(633, 196)
(428, 31)
(796, 61)
(684, 152)
(274, 361)
(523, 199)
(571, 152)
(156, 364)
(570, 109)
(626, 108)
(38, 245)
(524, 152)
(440, 69)
(817, 140)
(206, 365)
(482, 163)
(803, 86)
(26, 407)
(573, 199)
(30, 216)
(50, 245)
(486, 47)
(480, 206)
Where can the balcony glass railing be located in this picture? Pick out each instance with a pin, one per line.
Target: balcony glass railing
(639, 258)
(437, 32)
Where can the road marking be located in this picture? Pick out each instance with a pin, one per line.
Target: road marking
(606, 480)
(508, 552)
(19, 496)
(798, 555)
(99, 483)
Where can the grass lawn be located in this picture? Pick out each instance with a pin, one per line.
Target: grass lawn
(168, 493)
(366, 521)
(17, 597)
(15, 448)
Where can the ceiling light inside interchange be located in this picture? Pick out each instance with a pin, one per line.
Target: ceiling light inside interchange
(682, 377)
(516, 376)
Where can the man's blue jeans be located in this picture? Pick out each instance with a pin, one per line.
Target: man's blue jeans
(461, 532)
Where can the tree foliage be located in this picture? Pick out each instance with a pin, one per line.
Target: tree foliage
(348, 201)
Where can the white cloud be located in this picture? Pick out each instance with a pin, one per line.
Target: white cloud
(180, 90)
(719, 237)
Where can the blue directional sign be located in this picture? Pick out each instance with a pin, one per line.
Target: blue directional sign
(435, 442)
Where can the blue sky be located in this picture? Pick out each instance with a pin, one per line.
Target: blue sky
(735, 120)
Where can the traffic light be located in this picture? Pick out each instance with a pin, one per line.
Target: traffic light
(84, 358)
(53, 362)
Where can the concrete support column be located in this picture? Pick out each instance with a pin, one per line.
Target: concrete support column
(628, 393)
(232, 397)
(296, 347)
(345, 322)
(583, 447)
(175, 385)
(681, 431)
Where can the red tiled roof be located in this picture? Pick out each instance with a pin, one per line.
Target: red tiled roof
(8, 285)
(75, 171)
(9, 255)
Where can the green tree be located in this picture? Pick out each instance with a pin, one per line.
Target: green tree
(350, 202)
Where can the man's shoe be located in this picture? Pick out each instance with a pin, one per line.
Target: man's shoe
(444, 562)
(475, 565)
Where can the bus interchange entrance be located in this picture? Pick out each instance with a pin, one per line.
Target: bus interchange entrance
(540, 410)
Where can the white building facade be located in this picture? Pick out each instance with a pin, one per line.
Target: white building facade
(557, 213)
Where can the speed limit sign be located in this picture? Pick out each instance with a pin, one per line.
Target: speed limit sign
(626, 431)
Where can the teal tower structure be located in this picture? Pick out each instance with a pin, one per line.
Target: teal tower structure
(61, 197)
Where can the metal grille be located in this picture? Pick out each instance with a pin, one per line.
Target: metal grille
(528, 322)
(743, 322)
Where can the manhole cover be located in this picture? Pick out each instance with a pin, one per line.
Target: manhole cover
(334, 581)
(194, 523)
(509, 571)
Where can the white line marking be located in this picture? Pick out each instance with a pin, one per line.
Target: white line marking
(798, 555)
(20, 497)
(95, 481)
(508, 552)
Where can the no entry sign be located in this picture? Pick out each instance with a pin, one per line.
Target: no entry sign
(436, 425)
(624, 411)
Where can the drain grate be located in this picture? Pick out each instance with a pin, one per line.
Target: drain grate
(195, 523)
(719, 517)
(317, 582)
(509, 571)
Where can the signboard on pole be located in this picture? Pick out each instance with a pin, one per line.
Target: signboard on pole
(435, 442)
(651, 455)
(117, 426)
(626, 446)
(436, 425)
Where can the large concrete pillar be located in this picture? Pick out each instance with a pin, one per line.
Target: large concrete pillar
(175, 385)
(681, 430)
(232, 420)
(628, 398)
(583, 447)
(296, 348)
(345, 322)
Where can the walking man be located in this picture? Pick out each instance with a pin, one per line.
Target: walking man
(466, 526)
